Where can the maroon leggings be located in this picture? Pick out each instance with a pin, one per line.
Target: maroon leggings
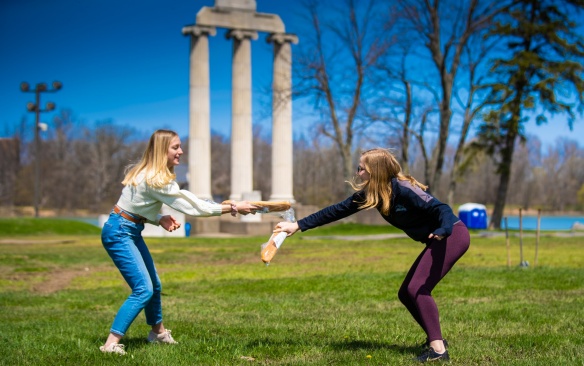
(429, 268)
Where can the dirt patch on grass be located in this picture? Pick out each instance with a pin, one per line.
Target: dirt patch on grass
(31, 241)
(44, 281)
(59, 280)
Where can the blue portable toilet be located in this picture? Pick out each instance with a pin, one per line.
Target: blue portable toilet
(474, 215)
(188, 229)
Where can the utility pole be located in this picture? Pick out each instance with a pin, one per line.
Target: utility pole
(36, 108)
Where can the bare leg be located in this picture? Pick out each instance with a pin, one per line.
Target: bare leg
(158, 328)
(112, 338)
(438, 346)
(160, 334)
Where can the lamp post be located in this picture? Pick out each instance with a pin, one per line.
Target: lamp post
(36, 108)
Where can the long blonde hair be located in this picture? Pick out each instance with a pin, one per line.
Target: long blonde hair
(382, 167)
(154, 162)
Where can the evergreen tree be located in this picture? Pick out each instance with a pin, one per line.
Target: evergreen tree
(540, 73)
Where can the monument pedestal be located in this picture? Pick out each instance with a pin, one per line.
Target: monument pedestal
(226, 224)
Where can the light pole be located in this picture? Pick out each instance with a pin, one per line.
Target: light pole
(36, 108)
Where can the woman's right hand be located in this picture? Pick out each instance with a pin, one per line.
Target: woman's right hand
(288, 227)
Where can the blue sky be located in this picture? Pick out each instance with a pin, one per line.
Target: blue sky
(128, 61)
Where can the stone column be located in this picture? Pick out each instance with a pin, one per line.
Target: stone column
(282, 164)
(241, 123)
(199, 173)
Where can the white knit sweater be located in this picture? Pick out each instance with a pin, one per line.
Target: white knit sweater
(147, 201)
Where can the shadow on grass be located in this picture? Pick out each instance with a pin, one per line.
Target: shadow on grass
(369, 345)
(135, 343)
(340, 346)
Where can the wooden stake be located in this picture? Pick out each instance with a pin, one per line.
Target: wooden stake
(507, 241)
(521, 263)
(537, 236)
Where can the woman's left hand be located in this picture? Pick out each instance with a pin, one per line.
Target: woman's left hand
(437, 237)
(244, 208)
(169, 223)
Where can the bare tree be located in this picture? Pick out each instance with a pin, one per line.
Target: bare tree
(395, 105)
(476, 178)
(59, 163)
(522, 184)
(317, 175)
(548, 180)
(564, 167)
(104, 154)
(469, 95)
(333, 65)
(444, 28)
(9, 166)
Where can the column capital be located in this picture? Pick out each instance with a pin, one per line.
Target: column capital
(241, 34)
(281, 38)
(198, 30)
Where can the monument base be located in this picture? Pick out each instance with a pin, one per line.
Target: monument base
(226, 224)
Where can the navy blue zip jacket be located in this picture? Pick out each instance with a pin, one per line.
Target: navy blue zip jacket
(413, 210)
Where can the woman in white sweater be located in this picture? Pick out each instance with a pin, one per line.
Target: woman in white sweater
(147, 185)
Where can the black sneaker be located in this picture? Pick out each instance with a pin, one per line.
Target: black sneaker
(430, 355)
(426, 345)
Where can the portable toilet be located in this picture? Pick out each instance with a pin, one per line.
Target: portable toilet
(474, 215)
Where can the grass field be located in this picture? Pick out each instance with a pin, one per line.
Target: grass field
(320, 302)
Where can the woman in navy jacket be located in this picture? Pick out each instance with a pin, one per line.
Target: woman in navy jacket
(403, 202)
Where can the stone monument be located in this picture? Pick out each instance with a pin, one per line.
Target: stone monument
(243, 23)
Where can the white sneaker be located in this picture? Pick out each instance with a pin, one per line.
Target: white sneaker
(113, 348)
(163, 337)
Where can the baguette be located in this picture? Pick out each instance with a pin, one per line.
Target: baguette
(270, 248)
(269, 206)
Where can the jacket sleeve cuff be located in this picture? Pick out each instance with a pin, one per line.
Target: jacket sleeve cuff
(155, 222)
(442, 232)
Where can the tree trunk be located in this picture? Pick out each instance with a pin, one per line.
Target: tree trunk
(347, 165)
(500, 201)
(445, 115)
(504, 174)
(454, 173)
(455, 165)
(405, 139)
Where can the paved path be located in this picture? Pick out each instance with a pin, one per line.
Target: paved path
(484, 234)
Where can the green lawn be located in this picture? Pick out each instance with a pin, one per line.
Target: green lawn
(320, 302)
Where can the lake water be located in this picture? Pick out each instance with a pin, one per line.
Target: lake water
(547, 222)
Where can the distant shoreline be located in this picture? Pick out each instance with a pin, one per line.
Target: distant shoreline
(51, 213)
(533, 212)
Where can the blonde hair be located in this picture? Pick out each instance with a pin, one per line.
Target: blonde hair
(154, 162)
(382, 167)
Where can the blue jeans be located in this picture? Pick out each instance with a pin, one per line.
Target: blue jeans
(122, 239)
